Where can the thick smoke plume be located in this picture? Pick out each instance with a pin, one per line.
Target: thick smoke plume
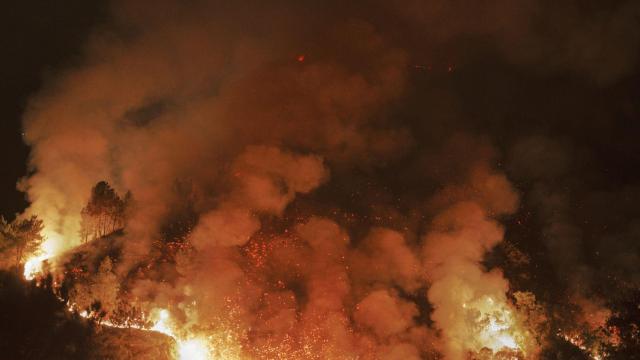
(458, 239)
(258, 123)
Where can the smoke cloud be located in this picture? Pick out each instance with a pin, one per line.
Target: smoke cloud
(338, 209)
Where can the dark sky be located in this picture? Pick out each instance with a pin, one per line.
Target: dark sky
(38, 38)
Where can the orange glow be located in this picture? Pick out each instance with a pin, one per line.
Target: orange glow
(577, 341)
(52, 246)
(497, 327)
(193, 349)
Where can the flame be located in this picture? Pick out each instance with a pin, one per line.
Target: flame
(190, 348)
(498, 335)
(162, 324)
(596, 348)
(493, 319)
(51, 247)
(577, 341)
(33, 266)
(193, 349)
(497, 328)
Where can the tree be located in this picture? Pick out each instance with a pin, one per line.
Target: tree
(105, 212)
(99, 293)
(22, 235)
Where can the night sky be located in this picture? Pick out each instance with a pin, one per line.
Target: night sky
(39, 38)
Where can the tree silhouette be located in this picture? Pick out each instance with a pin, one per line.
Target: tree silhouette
(23, 236)
(105, 212)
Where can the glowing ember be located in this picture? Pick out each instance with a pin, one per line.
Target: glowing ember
(578, 342)
(593, 349)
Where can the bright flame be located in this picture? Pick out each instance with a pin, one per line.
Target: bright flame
(188, 349)
(48, 249)
(33, 266)
(193, 349)
(497, 326)
(162, 324)
(498, 334)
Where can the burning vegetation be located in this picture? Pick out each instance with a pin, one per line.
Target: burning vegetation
(298, 286)
(204, 189)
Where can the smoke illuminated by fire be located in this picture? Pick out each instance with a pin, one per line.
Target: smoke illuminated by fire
(286, 199)
(497, 325)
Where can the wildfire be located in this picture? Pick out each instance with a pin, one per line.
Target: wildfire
(497, 334)
(499, 324)
(497, 328)
(33, 266)
(190, 348)
(577, 341)
(595, 348)
(193, 349)
(162, 324)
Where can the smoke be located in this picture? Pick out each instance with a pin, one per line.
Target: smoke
(261, 121)
(561, 237)
(600, 42)
(464, 294)
(586, 271)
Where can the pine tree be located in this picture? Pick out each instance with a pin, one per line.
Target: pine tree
(105, 212)
(23, 235)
